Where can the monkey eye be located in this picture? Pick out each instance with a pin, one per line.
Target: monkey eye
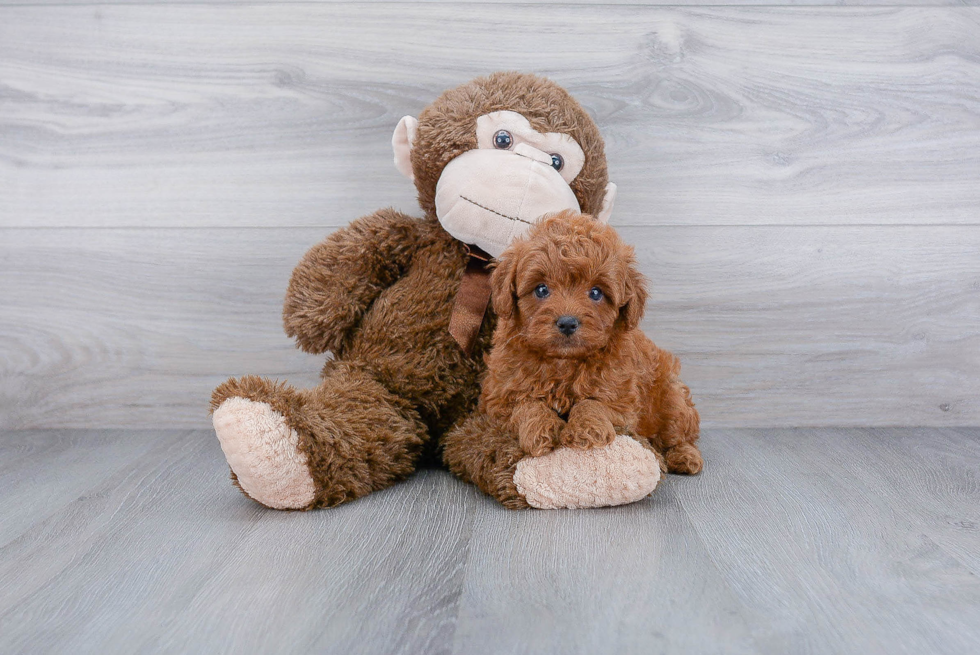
(542, 291)
(502, 140)
(557, 162)
(595, 293)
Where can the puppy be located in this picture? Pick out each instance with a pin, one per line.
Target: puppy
(569, 364)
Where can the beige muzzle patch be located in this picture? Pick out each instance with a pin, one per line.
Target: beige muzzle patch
(487, 198)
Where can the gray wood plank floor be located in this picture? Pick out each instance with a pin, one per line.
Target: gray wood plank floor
(792, 541)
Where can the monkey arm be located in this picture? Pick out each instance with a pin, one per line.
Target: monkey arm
(338, 279)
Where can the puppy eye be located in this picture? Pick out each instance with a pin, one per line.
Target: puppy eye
(502, 140)
(595, 293)
(557, 162)
(542, 291)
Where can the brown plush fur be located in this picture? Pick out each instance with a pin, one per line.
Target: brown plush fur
(605, 378)
(480, 452)
(378, 295)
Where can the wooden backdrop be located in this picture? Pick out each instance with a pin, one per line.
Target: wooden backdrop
(802, 185)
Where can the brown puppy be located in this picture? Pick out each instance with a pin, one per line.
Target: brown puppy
(569, 365)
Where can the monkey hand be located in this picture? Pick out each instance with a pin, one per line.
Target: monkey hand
(338, 279)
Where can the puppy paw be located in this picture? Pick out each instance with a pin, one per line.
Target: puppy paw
(537, 445)
(539, 435)
(583, 434)
(685, 459)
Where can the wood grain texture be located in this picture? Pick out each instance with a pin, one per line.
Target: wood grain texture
(679, 3)
(775, 326)
(633, 579)
(75, 461)
(802, 185)
(944, 471)
(281, 114)
(796, 518)
(167, 556)
(803, 541)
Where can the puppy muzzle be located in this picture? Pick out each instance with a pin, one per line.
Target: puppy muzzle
(488, 198)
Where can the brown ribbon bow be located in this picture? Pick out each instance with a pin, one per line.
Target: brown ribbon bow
(471, 300)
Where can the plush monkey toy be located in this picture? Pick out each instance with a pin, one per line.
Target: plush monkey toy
(402, 303)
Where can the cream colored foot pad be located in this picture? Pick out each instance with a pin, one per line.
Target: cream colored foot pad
(620, 473)
(263, 452)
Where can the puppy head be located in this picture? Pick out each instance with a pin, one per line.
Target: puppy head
(568, 287)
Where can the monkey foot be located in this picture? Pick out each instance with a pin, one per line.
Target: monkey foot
(620, 473)
(263, 452)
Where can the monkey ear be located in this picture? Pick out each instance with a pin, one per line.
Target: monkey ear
(636, 298)
(607, 204)
(503, 286)
(401, 143)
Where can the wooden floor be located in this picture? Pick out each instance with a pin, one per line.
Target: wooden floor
(809, 541)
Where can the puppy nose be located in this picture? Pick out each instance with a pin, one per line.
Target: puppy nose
(567, 325)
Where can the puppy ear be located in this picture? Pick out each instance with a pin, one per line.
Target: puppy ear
(635, 295)
(503, 285)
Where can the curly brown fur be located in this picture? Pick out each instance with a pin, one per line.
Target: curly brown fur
(605, 377)
(379, 295)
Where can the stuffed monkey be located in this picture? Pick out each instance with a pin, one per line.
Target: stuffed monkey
(402, 304)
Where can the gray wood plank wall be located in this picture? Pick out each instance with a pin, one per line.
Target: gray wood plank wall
(802, 185)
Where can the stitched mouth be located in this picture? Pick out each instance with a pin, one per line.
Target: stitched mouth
(493, 211)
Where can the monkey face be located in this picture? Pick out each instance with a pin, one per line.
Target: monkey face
(488, 167)
(493, 194)
(489, 197)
